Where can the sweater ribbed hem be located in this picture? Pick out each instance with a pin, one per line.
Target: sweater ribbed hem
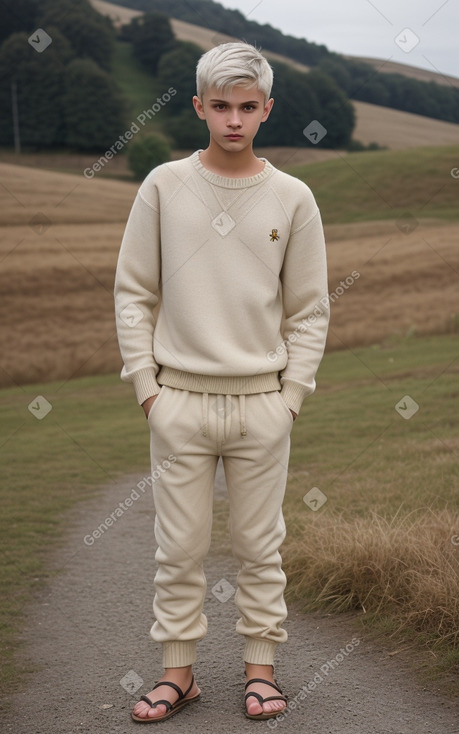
(219, 385)
(179, 653)
(259, 652)
(293, 393)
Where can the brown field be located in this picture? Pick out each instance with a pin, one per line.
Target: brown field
(281, 157)
(413, 72)
(60, 239)
(391, 128)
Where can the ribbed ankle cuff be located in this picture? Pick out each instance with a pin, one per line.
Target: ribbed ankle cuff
(259, 652)
(178, 654)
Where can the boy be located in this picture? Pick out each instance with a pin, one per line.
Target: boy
(220, 273)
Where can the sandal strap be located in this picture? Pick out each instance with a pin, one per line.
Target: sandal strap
(189, 687)
(257, 696)
(263, 700)
(167, 704)
(172, 685)
(276, 698)
(262, 680)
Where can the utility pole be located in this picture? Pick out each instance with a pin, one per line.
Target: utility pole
(14, 105)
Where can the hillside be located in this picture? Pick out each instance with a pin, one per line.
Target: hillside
(387, 127)
(60, 236)
(413, 72)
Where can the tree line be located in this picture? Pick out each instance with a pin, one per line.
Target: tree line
(66, 96)
(358, 80)
(299, 98)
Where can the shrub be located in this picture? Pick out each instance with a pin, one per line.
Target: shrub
(145, 154)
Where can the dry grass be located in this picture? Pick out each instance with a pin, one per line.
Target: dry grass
(406, 568)
(118, 167)
(408, 283)
(412, 72)
(57, 285)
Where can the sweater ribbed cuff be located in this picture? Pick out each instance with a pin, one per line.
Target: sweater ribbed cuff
(179, 653)
(293, 394)
(145, 384)
(259, 652)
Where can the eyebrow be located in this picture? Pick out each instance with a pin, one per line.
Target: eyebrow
(224, 101)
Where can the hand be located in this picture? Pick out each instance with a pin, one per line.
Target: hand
(146, 405)
(294, 415)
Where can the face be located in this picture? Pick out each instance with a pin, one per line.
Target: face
(233, 117)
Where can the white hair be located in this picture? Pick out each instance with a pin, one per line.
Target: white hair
(231, 64)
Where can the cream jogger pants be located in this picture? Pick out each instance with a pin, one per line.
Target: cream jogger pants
(189, 431)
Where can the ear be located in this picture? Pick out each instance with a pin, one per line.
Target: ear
(199, 108)
(267, 109)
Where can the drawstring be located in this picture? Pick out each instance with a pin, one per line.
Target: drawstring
(205, 414)
(242, 415)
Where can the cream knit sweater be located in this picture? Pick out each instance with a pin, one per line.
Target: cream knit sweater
(221, 284)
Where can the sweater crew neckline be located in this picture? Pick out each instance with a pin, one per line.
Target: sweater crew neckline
(229, 182)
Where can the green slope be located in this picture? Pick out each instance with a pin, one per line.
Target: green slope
(385, 184)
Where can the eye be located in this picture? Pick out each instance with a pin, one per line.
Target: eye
(220, 106)
(250, 107)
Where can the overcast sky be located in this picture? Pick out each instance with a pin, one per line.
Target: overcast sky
(369, 27)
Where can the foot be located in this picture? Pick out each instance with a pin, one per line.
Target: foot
(253, 705)
(182, 678)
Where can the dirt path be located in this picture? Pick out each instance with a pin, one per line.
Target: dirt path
(88, 630)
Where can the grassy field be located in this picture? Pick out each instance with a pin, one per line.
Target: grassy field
(349, 441)
(140, 88)
(386, 185)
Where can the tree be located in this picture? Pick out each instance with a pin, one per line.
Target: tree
(90, 34)
(39, 80)
(178, 68)
(295, 105)
(336, 111)
(151, 36)
(146, 154)
(17, 16)
(94, 111)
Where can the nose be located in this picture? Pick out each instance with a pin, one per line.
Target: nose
(233, 120)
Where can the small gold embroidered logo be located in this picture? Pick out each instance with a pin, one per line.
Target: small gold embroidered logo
(274, 235)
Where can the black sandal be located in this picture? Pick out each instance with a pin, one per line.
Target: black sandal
(171, 708)
(261, 700)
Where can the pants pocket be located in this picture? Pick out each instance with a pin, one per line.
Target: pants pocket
(156, 401)
(284, 405)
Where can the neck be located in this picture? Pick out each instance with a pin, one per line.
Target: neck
(227, 163)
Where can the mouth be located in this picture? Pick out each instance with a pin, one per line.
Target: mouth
(234, 136)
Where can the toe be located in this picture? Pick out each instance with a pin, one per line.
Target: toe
(270, 706)
(141, 710)
(158, 710)
(144, 711)
(253, 706)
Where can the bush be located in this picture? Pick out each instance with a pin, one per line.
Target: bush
(145, 154)
(188, 131)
